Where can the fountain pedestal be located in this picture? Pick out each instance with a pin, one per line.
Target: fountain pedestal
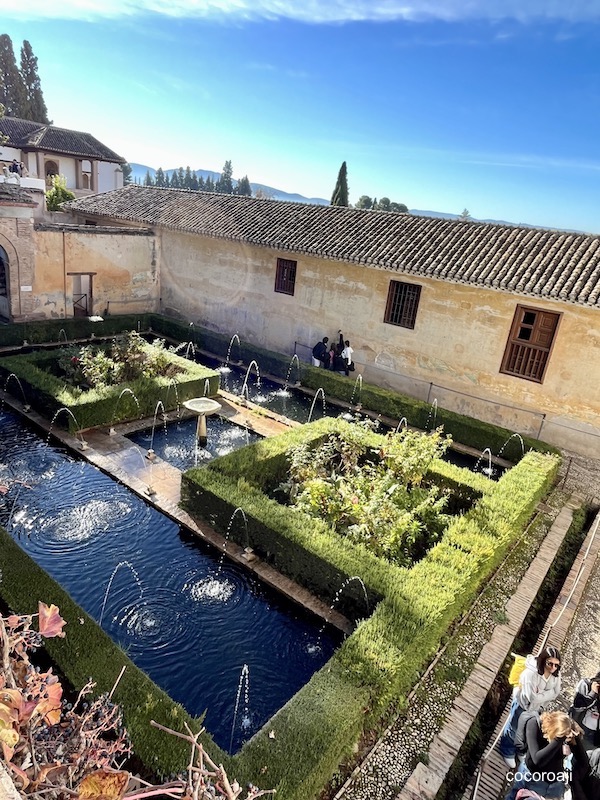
(202, 406)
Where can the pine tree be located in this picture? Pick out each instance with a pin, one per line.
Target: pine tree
(175, 180)
(340, 193)
(160, 177)
(181, 178)
(209, 184)
(187, 181)
(148, 179)
(194, 186)
(225, 183)
(243, 187)
(35, 106)
(12, 89)
(201, 186)
(167, 180)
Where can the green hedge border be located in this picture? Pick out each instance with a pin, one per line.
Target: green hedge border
(87, 651)
(378, 664)
(47, 393)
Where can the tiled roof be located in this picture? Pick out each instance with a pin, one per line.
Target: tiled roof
(541, 263)
(26, 135)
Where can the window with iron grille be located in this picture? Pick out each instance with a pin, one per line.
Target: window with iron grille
(529, 344)
(285, 277)
(402, 304)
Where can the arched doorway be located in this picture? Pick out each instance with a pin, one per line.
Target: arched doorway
(50, 169)
(4, 304)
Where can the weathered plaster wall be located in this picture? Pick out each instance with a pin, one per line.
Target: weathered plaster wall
(125, 278)
(453, 354)
(16, 237)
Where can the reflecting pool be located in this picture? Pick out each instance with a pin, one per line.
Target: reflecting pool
(188, 621)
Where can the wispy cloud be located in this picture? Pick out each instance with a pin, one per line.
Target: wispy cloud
(311, 11)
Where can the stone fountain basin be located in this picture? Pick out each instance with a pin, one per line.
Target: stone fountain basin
(202, 405)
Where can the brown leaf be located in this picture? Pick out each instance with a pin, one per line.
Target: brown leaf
(103, 784)
(51, 623)
(50, 707)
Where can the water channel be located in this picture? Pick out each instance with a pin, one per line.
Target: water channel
(189, 624)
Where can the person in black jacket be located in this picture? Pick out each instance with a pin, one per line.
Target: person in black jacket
(320, 353)
(550, 738)
(586, 710)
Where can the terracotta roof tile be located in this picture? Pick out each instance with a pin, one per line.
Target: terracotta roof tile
(541, 263)
(26, 135)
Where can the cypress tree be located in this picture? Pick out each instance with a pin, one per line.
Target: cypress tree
(12, 88)
(243, 187)
(160, 177)
(340, 193)
(35, 107)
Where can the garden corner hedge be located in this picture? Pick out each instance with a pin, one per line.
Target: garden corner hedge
(378, 664)
(47, 393)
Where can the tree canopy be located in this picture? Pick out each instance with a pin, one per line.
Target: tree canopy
(187, 178)
(20, 89)
(384, 204)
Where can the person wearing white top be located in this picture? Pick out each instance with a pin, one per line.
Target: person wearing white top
(346, 353)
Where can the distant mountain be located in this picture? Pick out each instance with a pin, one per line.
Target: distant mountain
(444, 215)
(138, 173)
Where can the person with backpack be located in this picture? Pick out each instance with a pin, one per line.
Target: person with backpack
(539, 684)
(586, 710)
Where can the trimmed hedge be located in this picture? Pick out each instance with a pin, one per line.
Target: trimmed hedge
(47, 393)
(379, 663)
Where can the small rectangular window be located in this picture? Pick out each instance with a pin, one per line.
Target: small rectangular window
(285, 277)
(402, 304)
(529, 343)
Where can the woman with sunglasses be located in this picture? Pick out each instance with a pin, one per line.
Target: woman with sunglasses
(539, 685)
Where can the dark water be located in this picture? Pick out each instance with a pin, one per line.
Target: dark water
(190, 623)
(176, 443)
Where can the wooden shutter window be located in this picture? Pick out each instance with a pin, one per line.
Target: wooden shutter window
(529, 344)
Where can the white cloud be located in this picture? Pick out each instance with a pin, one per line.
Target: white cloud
(312, 11)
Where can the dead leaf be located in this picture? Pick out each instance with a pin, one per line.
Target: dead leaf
(51, 623)
(103, 784)
(20, 773)
(50, 707)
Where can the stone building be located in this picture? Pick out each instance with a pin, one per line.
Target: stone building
(494, 321)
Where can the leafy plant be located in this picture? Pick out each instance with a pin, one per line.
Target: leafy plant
(55, 749)
(374, 497)
(58, 193)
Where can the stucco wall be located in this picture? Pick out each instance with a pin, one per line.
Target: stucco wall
(109, 177)
(453, 354)
(125, 278)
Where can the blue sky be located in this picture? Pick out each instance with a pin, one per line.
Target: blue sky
(489, 105)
